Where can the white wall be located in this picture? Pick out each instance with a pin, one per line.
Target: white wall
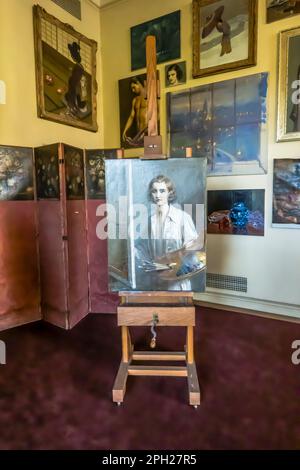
(271, 263)
(19, 124)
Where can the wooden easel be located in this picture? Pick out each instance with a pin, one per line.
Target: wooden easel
(156, 309)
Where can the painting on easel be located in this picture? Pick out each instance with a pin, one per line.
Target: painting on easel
(156, 224)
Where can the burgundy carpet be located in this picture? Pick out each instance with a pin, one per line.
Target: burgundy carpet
(56, 388)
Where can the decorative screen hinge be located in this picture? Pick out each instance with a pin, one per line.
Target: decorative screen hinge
(61, 161)
(65, 237)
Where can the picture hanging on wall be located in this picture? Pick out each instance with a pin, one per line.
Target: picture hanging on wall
(156, 224)
(65, 63)
(95, 171)
(133, 111)
(286, 192)
(282, 9)
(16, 173)
(236, 212)
(224, 35)
(166, 29)
(175, 74)
(226, 122)
(288, 120)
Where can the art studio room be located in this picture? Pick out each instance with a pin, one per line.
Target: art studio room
(149, 226)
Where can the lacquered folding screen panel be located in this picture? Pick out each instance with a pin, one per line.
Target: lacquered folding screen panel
(62, 234)
(100, 300)
(156, 224)
(19, 277)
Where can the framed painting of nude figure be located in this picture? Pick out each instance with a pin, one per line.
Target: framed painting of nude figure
(288, 116)
(224, 35)
(156, 224)
(133, 111)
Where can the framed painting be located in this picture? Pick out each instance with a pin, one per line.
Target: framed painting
(166, 29)
(226, 122)
(65, 64)
(282, 9)
(175, 74)
(224, 35)
(236, 212)
(286, 193)
(156, 224)
(288, 116)
(133, 111)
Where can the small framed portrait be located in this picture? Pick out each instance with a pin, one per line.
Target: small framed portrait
(65, 63)
(224, 35)
(282, 9)
(175, 74)
(288, 116)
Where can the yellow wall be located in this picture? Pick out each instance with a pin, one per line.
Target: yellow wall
(271, 263)
(19, 124)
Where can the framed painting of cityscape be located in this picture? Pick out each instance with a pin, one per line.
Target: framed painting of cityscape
(65, 63)
(156, 224)
(224, 35)
(286, 193)
(288, 116)
(282, 9)
(226, 122)
(166, 30)
(236, 212)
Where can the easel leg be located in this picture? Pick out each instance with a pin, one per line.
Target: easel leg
(119, 388)
(193, 384)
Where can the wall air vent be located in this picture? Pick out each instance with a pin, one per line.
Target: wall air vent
(222, 281)
(71, 6)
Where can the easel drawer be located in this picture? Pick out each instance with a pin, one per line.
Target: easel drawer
(167, 316)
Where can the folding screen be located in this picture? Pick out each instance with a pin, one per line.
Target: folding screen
(100, 300)
(19, 277)
(62, 234)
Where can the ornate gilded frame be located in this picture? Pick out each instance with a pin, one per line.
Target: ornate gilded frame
(286, 88)
(199, 71)
(66, 94)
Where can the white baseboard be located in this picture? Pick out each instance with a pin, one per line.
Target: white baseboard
(239, 303)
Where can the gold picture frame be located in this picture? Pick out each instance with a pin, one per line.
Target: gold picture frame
(288, 112)
(224, 36)
(65, 64)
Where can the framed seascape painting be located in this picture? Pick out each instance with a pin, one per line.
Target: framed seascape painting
(288, 116)
(236, 212)
(226, 122)
(166, 30)
(65, 63)
(282, 9)
(224, 35)
(156, 224)
(286, 193)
